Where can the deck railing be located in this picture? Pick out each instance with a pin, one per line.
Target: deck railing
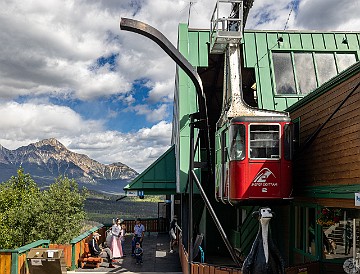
(151, 225)
(13, 261)
(77, 246)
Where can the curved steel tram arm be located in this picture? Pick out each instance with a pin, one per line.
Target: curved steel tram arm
(155, 35)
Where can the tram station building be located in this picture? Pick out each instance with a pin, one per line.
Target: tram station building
(314, 76)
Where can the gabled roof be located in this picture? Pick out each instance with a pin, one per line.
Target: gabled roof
(158, 178)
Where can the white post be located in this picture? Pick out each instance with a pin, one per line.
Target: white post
(172, 207)
(354, 239)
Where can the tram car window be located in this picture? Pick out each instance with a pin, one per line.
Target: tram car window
(237, 137)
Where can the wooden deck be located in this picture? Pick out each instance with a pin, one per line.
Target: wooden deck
(157, 258)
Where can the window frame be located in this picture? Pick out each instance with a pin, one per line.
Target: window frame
(313, 52)
(249, 141)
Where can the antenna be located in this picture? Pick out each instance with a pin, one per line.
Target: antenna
(292, 6)
(191, 3)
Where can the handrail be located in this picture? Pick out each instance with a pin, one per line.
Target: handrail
(178, 227)
(16, 258)
(27, 247)
(78, 239)
(85, 234)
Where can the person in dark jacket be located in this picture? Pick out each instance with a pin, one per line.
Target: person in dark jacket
(97, 251)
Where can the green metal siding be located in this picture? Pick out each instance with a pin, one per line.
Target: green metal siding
(259, 45)
(193, 45)
(203, 48)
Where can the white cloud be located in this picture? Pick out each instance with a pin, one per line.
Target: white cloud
(137, 149)
(22, 124)
(162, 91)
(151, 114)
(329, 15)
(51, 48)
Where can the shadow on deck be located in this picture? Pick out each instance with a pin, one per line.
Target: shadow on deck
(156, 258)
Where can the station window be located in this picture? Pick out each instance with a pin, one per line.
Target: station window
(302, 72)
(284, 73)
(264, 142)
(327, 231)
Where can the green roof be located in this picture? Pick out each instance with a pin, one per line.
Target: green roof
(158, 178)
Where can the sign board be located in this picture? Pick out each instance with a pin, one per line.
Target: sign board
(357, 199)
(131, 193)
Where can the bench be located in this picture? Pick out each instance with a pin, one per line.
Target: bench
(88, 259)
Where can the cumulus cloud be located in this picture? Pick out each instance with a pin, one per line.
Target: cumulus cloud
(22, 124)
(75, 49)
(329, 15)
(136, 149)
(326, 15)
(151, 114)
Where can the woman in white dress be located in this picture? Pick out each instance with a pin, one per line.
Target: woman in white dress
(115, 241)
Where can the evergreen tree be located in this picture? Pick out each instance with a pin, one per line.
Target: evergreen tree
(62, 215)
(20, 203)
(28, 214)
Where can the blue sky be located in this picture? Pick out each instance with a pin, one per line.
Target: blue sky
(68, 72)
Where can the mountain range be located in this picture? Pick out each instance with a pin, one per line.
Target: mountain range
(48, 159)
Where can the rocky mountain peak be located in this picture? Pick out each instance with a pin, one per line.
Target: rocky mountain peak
(49, 159)
(50, 142)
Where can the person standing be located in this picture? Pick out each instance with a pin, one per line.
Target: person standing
(139, 232)
(122, 236)
(138, 253)
(115, 241)
(172, 233)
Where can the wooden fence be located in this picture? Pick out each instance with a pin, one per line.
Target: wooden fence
(13, 261)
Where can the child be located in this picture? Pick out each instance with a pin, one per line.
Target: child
(138, 253)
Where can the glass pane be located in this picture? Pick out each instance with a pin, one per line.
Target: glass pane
(288, 142)
(305, 72)
(338, 231)
(264, 141)
(284, 74)
(310, 237)
(237, 142)
(345, 60)
(299, 227)
(325, 63)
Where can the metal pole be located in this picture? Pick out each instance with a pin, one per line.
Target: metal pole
(191, 193)
(354, 239)
(216, 220)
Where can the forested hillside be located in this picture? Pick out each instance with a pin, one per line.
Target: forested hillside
(103, 208)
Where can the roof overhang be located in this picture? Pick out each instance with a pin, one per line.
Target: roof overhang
(158, 178)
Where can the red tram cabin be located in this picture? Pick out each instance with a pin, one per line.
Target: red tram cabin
(254, 159)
